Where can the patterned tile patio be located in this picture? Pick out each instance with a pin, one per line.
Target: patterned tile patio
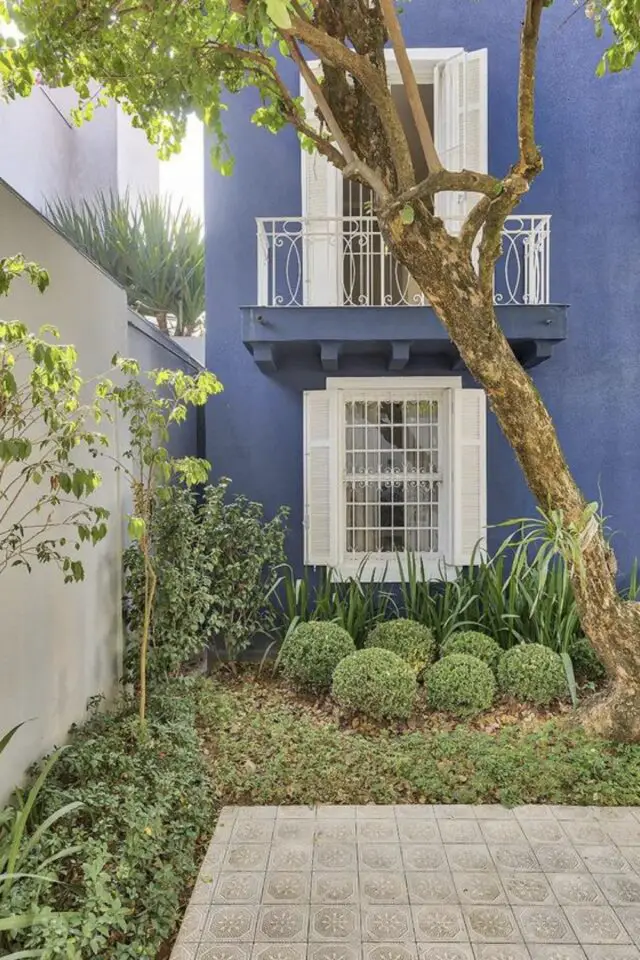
(417, 883)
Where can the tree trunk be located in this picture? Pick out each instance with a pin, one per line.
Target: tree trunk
(612, 625)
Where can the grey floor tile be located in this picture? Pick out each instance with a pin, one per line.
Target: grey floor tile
(335, 829)
(445, 951)
(389, 951)
(282, 923)
(346, 811)
(502, 831)
(575, 889)
(609, 951)
(472, 857)
(279, 951)
(460, 831)
(558, 858)
(291, 856)
(334, 887)
(604, 858)
(544, 924)
(543, 831)
(334, 951)
(335, 855)
(223, 951)
(380, 856)
(193, 923)
(501, 951)
(528, 889)
(414, 830)
(556, 951)
(296, 811)
(493, 811)
(454, 811)
(387, 923)
(491, 924)
(585, 832)
(630, 917)
(294, 830)
(438, 923)
(376, 887)
(241, 887)
(596, 925)
(620, 889)
(568, 812)
(534, 811)
(616, 814)
(414, 811)
(291, 887)
(252, 831)
(184, 951)
(431, 887)
(623, 833)
(335, 923)
(256, 813)
(246, 856)
(365, 811)
(423, 856)
(514, 858)
(479, 888)
(229, 924)
(377, 830)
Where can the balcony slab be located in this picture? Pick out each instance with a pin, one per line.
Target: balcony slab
(402, 338)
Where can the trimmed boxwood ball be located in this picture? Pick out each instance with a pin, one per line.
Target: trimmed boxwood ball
(532, 672)
(409, 639)
(460, 684)
(375, 682)
(586, 663)
(312, 652)
(475, 644)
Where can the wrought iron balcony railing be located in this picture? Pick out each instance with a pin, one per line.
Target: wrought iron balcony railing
(344, 262)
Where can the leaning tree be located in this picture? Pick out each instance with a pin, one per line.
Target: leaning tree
(164, 58)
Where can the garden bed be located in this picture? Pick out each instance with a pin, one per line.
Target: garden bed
(266, 744)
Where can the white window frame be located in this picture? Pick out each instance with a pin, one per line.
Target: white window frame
(377, 566)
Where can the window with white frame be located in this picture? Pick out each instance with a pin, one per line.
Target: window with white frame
(393, 466)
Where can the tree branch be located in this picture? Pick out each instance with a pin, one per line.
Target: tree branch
(335, 52)
(461, 180)
(394, 30)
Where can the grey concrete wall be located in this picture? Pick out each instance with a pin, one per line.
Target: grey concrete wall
(44, 156)
(61, 644)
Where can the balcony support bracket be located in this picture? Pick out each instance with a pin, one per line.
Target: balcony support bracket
(264, 355)
(400, 353)
(330, 355)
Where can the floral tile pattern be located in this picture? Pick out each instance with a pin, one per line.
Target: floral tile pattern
(432, 882)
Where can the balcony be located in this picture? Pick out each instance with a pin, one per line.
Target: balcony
(329, 288)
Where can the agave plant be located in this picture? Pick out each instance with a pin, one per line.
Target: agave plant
(152, 247)
(19, 839)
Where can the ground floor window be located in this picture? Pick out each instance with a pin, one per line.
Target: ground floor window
(393, 466)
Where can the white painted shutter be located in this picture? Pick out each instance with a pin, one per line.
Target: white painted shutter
(469, 474)
(461, 128)
(320, 182)
(320, 477)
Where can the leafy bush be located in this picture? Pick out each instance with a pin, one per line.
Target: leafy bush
(312, 651)
(145, 804)
(532, 672)
(182, 600)
(410, 640)
(216, 565)
(475, 644)
(461, 684)
(248, 551)
(586, 663)
(375, 682)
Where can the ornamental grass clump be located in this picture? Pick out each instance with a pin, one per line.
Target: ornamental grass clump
(377, 683)
(532, 673)
(460, 684)
(476, 645)
(312, 651)
(410, 640)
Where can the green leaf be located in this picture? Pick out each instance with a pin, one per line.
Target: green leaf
(136, 527)
(408, 214)
(278, 11)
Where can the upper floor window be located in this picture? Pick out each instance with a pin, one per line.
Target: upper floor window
(392, 467)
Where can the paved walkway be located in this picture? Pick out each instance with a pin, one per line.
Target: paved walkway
(418, 883)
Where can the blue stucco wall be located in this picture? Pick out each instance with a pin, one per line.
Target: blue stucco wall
(589, 131)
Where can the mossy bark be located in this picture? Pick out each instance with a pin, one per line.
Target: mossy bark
(612, 625)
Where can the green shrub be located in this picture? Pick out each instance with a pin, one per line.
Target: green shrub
(586, 663)
(475, 644)
(532, 672)
(312, 651)
(146, 803)
(460, 684)
(410, 640)
(375, 682)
